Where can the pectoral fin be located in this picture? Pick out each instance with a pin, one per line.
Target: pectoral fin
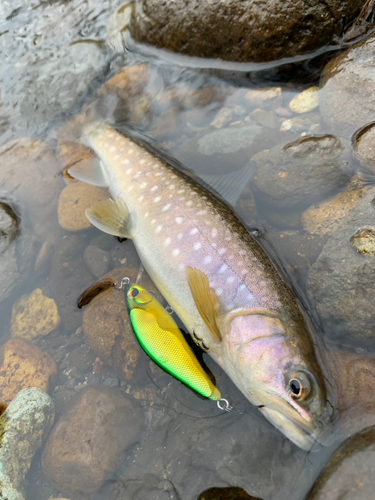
(204, 298)
(90, 172)
(111, 217)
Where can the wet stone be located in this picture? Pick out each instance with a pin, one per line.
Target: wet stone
(364, 241)
(305, 101)
(74, 200)
(223, 117)
(97, 422)
(264, 118)
(301, 123)
(9, 224)
(82, 357)
(302, 171)
(341, 282)
(107, 327)
(97, 260)
(350, 472)
(34, 315)
(344, 109)
(25, 422)
(149, 487)
(265, 97)
(24, 365)
(241, 31)
(364, 147)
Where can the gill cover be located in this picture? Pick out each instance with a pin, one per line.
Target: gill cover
(160, 337)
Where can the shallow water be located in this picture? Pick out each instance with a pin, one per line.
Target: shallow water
(55, 56)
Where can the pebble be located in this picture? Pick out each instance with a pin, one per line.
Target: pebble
(111, 382)
(25, 422)
(223, 117)
(97, 260)
(301, 123)
(34, 315)
(24, 365)
(73, 201)
(270, 97)
(98, 422)
(81, 357)
(70, 384)
(305, 101)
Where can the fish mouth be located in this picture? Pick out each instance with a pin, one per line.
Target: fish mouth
(301, 433)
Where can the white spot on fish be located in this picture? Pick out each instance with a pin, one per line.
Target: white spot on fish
(180, 191)
(179, 220)
(155, 165)
(167, 242)
(180, 236)
(142, 162)
(230, 279)
(227, 238)
(125, 162)
(193, 231)
(207, 259)
(141, 198)
(197, 246)
(153, 221)
(244, 271)
(129, 171)
(158, 229)
(146, 214)
(175, 252)
(112, 148)
(188, 203)
(222, 251)
(223, 268)
(214, 233)
(242, 252)
(154, 188)
(218, 291)
(242, 287)
(116, 157)
(157, 199)
(172, 186)
(111, 135)
(143, 185)
(159, 174)
(130, 188)
(166, 207)
(202, 212)
(181, 266)
(130, 151)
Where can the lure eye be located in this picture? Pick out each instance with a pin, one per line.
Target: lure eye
(133, 293)
(299, 385)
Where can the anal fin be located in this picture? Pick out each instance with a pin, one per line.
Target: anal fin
(204, 299)
(111, 217)
(89, 171)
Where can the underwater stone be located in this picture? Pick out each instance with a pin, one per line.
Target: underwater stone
(241, 30)
(98, 426)
(34, 315)
(364, 241)
(97, 260)
(350, 471)
(364, 147)
(302, 171)
(305, 101)
(73, 201)
(107, 327)
(23, 365)
(27, 419)
(270, 97)
(344, 108)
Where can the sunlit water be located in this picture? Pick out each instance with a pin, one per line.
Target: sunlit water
(54, 58)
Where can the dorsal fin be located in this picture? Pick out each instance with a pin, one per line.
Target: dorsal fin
(204, 299)
(111, 217)
(90, 171)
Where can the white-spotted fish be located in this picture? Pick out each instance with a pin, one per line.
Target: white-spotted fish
(215, 276)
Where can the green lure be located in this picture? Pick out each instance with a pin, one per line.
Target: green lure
(160, 337)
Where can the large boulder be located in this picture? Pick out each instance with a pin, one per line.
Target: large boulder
(241, 30)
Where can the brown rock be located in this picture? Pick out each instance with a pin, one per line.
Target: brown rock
(23, 365)
(343, 108)
(230, 493)
(325, 217)
(93, 434)
(107, 327)
(240, 30)
(34, 315)
(270, 97)
(30, 172)
(73, 201)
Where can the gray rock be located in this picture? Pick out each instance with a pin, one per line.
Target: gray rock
(363, 147)
(240, 30)
(230, 148)
(302, 171)
(27, 419)
(97, 260)
(350, 472)
(341, 283)
(343, 108)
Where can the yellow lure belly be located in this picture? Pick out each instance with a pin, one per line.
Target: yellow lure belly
(160, 337)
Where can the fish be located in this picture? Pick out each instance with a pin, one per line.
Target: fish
(216, 277)
(159, 336)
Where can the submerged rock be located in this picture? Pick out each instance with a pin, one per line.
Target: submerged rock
(306, 101)
(240, 30)
(343, 108)
(98, 426)
(97, 260)
(341, 283)
(34, 315)
(25, 422)
(364, 147)
(350, 472)
(23, 365)
(107, 327)
(302, 171)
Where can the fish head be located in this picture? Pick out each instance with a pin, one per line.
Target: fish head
(139, 297)
(278, 372)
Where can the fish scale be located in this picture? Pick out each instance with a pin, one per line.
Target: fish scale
(217, 279)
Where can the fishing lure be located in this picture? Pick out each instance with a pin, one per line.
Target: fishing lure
(160, 337)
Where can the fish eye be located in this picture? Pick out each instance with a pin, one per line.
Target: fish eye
(133, 293)
(298, 385)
